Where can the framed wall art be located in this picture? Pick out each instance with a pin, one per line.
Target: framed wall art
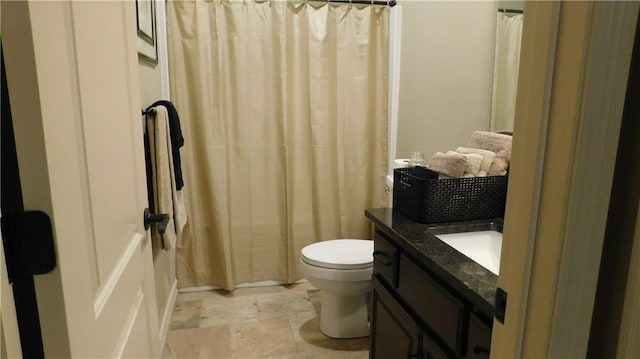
(146, 24)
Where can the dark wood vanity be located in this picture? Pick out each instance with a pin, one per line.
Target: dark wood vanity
(429, 300)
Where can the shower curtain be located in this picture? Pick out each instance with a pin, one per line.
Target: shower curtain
(284, 110)
(505, 71)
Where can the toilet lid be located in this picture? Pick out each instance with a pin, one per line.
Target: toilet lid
(340, 254)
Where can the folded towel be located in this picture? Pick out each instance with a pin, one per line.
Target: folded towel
(499, 167)
(487, 158)
(474, 161)
(506, 154)
(491, 141)
(451, 164)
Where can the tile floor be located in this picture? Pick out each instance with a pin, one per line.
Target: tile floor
(259, 322)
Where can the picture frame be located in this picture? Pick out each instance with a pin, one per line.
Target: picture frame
(146, 28)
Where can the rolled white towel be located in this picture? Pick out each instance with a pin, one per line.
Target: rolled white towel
(487, 158)
(451, 164)
(499, 167)
(491, 141)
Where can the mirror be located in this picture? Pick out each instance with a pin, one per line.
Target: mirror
(447, 77)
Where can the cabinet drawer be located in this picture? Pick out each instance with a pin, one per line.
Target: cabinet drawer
(443, 313)
(385, 259)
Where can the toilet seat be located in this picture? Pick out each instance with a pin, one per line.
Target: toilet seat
(339, 254)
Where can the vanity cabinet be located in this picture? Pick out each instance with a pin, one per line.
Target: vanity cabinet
(395, 333)
(415, 314)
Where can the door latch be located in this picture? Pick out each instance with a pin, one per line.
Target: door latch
(500, 304)
(28, 243)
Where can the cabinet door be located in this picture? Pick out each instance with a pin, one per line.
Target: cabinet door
(431, 350)
(479, 339)
(394, 333)
(434, 305)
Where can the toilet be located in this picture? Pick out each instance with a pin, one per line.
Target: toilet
(342, 270)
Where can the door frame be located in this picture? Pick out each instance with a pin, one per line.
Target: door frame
(574, 69)
(10, 337)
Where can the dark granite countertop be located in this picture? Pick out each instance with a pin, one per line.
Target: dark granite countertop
(471, 280)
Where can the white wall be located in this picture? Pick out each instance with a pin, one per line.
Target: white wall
(154, 86)
(511, 4)
(446, 74)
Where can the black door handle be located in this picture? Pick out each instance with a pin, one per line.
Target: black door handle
(378, 258)
(480, 350)
(161, 220)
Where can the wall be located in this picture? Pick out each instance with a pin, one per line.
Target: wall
(446, 74)
(511, 4)
(154, 85)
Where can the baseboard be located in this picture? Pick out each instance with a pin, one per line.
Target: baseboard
(265, 283)
(168, 310)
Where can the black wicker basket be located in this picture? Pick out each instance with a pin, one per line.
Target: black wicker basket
(446, 200)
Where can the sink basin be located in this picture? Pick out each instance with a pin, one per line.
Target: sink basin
(483, 247)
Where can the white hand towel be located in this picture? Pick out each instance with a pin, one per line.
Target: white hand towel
(487, 158)
(474, 161)
(491, 141)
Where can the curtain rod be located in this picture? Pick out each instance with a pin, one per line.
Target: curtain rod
(511, 11)
(390, 3)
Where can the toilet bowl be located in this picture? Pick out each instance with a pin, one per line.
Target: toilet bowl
(342, 270)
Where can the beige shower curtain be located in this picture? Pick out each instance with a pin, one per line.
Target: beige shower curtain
(505, 71)
(284, 110)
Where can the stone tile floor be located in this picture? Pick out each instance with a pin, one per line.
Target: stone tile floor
(259, 322)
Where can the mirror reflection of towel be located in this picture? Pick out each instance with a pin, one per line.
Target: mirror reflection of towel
(450, 164)
(474, 161)
(487, 158)
(495, 142)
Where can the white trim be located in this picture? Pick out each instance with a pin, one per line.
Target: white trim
(163, 53)
(395, 45)
(166, 317)
(116, 274)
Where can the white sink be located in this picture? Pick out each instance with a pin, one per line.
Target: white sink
(483, 247)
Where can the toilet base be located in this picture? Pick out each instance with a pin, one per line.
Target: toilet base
(344, 316)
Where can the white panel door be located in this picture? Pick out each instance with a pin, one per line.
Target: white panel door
(72, 72)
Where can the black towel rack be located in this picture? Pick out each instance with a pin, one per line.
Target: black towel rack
(511, 11)
(151, 111)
